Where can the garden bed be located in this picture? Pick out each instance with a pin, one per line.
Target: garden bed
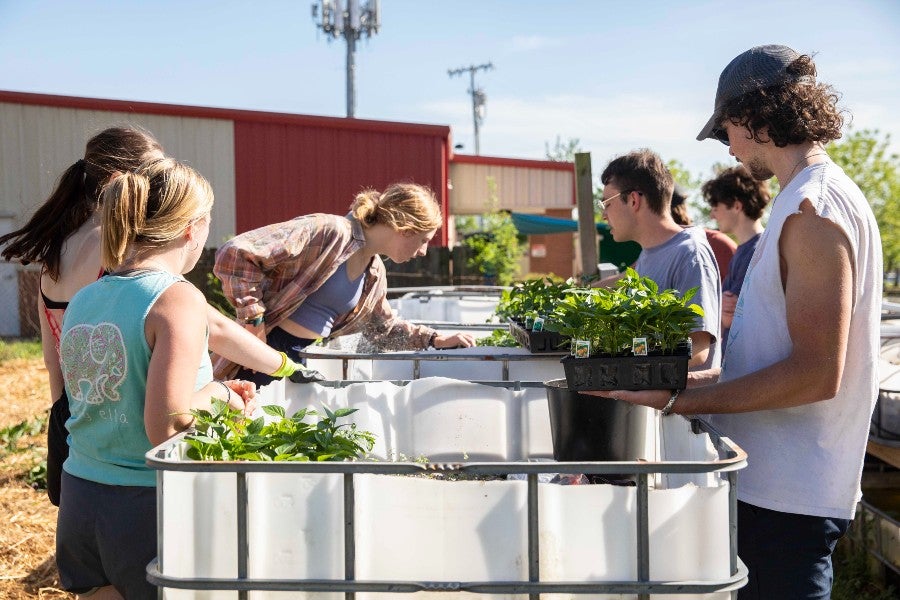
(332, 528)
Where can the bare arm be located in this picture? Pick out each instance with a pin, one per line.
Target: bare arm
(176, 332)
(51, 356)
(700, 343)
(813, 250)
(239, 345)
(729, 303)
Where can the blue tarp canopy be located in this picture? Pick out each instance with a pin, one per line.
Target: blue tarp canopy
(538, 224)
(621, 254)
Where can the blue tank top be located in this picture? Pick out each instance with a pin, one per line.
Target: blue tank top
(337, 296)
(104, 357)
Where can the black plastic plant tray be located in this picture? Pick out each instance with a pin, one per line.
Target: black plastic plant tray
(538, 342)
(595, 373)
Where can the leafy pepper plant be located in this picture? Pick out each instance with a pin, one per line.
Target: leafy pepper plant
(532, 298)
(223, 433)
(612, 318)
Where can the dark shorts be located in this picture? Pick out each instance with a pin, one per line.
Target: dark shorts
(106, 535)
(282, 341)
(57, 445)
(788, 555)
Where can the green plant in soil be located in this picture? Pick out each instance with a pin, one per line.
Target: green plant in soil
(532, 298)
(612, 318)
(223, 433)
(498, 338)
(11, 438)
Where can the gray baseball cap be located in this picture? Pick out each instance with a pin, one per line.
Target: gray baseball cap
(757, 68)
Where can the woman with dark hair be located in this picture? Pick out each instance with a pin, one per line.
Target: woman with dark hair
(63, 236)
(322, 275)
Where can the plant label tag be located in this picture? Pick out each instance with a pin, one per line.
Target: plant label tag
(582, 348)
(639, 346)
(529, 321)
(538, 324)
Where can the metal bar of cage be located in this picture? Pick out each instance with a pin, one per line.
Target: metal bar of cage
(731, 459)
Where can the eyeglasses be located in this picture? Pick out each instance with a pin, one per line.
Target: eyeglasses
(604, 204)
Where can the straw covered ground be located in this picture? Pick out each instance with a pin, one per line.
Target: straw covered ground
(27, 564)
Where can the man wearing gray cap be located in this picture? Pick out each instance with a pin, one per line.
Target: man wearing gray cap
(798, 382)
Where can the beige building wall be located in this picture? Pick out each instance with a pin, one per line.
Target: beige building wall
(37, 143)
(519, 189)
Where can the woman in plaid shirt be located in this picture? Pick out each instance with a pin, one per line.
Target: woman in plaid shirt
(321, 275)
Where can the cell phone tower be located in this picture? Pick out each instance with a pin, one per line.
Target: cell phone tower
(349, 19)
(479, 98)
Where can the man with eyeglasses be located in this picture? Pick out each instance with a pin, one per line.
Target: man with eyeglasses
(637, 197)
(799, 379)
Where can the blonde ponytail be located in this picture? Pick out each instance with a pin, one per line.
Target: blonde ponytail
(124, 213)
(404, 207)
(150, 208)
(365, 206)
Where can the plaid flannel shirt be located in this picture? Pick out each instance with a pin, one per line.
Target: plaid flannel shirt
(273, 269)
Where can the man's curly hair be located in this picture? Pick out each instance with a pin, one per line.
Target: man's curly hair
(735, 184)
(796, 112)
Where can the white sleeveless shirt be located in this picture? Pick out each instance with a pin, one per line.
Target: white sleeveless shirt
(807, 459)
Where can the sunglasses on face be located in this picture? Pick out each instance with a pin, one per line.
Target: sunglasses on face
(720, 134)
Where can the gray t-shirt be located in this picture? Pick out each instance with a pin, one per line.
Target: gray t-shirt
(684, 262)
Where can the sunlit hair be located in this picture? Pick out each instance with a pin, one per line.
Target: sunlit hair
(642, 170)
(405, 207)
(77, 194)
(150, 208)
(679, 209)
(794, 113)
(734, 184)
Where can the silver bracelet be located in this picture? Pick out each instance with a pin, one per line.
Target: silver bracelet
(667, 410)
(227, 390)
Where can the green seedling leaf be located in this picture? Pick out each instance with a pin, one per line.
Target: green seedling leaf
(273, 410)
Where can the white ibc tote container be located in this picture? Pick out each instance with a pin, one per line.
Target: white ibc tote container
(292, 519)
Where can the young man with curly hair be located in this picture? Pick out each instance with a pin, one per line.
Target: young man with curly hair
(737, 203)
(798, 382)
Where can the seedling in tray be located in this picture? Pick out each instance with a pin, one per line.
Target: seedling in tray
(633, 321)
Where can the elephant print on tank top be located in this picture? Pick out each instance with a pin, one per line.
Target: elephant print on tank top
(95, 364)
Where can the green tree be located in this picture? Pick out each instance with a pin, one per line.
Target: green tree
(690, 184)
(865, 157)
(563, 151)
(495, 247)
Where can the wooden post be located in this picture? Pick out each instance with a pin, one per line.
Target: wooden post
(584, 199)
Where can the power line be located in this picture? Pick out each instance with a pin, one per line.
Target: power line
(479, 98)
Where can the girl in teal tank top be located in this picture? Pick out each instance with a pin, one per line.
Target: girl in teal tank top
(134, 358)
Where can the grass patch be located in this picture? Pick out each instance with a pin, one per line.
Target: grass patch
(853, 577)
(11, 349)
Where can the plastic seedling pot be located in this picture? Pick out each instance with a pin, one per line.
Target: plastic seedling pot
(538, 342)
(589, 428)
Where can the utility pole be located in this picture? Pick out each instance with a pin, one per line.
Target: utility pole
(349, 19)
(479, 98)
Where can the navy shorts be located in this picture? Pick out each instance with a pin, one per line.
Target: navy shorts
(788, 555)
(57, 445)
(106, 535)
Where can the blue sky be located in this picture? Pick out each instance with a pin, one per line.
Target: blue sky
(616, 75)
